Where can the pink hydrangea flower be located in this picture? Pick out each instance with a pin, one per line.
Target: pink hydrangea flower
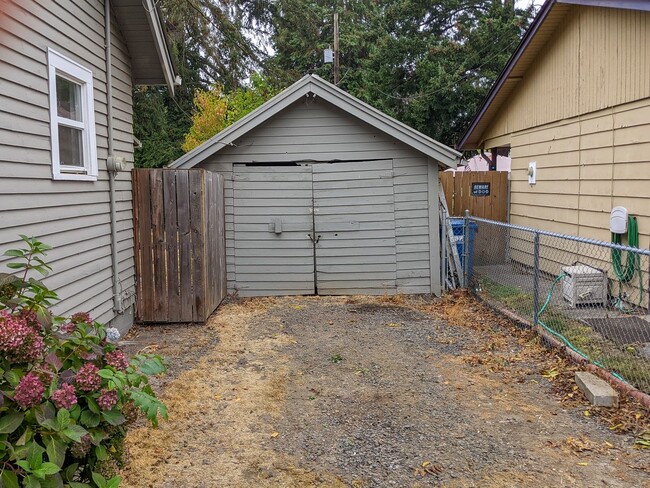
(30, 318)
(117, 359)
(87, 378)
(64, 397)
(29, 391)
(18, 341)
(81, 317)
(67, 328)
(107, 399)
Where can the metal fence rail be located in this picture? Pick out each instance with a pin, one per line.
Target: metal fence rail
(591, 295)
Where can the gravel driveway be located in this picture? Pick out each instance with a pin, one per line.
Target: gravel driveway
(374, 392)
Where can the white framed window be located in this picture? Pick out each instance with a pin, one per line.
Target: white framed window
(72, 119)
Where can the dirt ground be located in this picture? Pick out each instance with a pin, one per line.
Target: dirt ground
(374, 392)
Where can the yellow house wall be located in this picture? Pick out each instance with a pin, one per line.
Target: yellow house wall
(582, 112)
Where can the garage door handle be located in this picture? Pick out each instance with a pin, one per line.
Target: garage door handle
(314, 239)
(276, 226)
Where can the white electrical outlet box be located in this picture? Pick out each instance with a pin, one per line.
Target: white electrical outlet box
(532, 172)
(328, 55)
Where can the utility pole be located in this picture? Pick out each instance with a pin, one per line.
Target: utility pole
(336, 49)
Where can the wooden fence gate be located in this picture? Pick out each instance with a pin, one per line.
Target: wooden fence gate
(484, 194)
(180, 247)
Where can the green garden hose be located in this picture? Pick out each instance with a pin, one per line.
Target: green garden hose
(566, 341)
(632, 266)
(626, 273)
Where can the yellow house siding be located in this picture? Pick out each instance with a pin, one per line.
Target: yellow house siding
(599, 58)
(585, 166)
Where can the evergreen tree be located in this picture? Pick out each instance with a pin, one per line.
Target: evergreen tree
(427, 64)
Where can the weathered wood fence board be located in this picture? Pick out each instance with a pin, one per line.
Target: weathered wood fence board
(180, 247)
(458, 191)
(491, 242)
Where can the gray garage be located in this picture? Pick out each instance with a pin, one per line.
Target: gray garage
(326, 195)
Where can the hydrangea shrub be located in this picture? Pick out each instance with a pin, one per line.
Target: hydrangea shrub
(67, 392)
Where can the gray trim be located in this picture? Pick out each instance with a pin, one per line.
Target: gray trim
(434, 230)
(318, 87)
(161, 43)
(643, 5)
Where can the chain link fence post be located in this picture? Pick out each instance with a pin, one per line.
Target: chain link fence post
(536, 278)
(466, 239)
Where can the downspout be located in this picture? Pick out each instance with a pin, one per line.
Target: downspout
(117, 299)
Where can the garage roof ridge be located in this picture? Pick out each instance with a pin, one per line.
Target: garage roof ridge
(336, 96)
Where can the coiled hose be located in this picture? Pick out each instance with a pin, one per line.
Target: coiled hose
(625, 272)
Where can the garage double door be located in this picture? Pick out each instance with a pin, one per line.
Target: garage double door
(315, 228)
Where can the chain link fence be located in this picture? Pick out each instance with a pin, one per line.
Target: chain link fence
(592, 296)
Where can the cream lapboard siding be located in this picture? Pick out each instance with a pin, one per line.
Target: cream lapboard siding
(316, 133)
(71, 216)
(582, 112)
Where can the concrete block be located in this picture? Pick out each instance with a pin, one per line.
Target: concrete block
(597, 391)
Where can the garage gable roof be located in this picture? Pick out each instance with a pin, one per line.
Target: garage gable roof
(312, 84)
(540, 31)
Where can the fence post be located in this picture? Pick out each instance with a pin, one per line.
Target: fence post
(536, 278)
(466, 239)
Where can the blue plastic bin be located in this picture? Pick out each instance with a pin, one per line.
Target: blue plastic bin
(457, 226)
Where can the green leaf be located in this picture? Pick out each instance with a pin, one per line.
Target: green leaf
(31, 482)
(152, 366)
(74, 432)
(45, 470)
(27, 435)
(101, 453)
(114, 482)
(52, 481)
(13, 377)
(63, 418)
(35, 455)
(55, 450)
(16, 265)
(9, 479)
(45, 412)
(99, 480)
(97, 436)
(15, 252)
(113, 417)
(89, 419)
(70, 471)
(105, 373)
(92, 405)
(75, 412)
(74, 484)
(10, 422)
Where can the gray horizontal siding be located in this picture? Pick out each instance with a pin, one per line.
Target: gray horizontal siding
(73, 217)
(324, 133)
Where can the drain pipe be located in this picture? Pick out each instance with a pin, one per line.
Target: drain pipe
(112, 163)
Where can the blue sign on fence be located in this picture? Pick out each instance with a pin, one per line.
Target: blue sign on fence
(480, 189)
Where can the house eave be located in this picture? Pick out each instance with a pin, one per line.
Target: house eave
(143, 31)
(539, 32)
